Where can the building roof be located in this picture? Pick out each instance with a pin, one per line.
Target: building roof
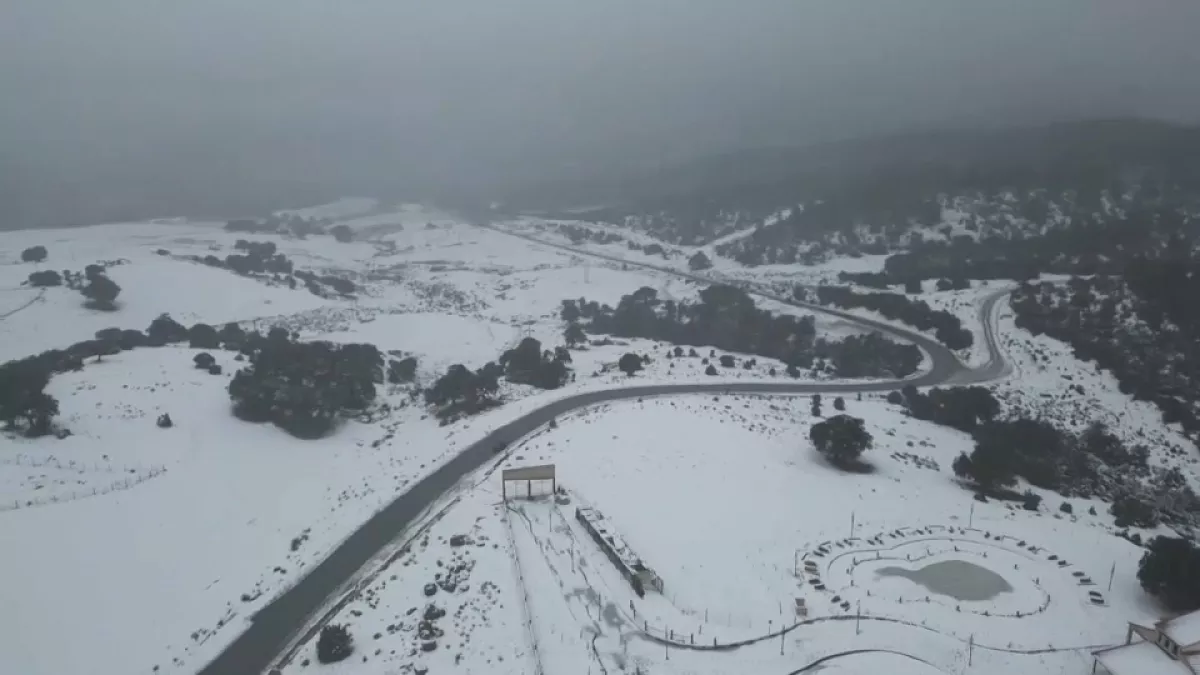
(1183, 629)
(1140, 658)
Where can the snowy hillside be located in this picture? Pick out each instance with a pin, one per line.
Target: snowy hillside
(198, 525)
(728, 530)
(138, 548)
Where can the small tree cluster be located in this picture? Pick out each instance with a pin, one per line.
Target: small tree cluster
(203, 336)
(402, 370)
(342, 233)
(842, 440)
(164, 330)
(630, 363)
(1129, 511)
(34, 254)
(1170, 571)
(947, 327)
(528, 364)
(303, 387)
(699, 261)
(100, 291)
(461, 390)
(334, 644)
(963, 408)
(727, 318)
(45, 279)
(573, 335)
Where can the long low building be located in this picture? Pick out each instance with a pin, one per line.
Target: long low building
(628, 563)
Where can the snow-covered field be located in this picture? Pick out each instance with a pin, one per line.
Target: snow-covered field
(725, 499)
(193, 528)
(135, 549)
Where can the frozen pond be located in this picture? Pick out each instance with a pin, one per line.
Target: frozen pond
(956, 578)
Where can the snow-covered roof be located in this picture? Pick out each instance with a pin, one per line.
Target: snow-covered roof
(1183, 629)
(1141, 658)
(618, 545)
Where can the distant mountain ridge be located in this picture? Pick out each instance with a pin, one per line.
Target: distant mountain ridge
(930, 160)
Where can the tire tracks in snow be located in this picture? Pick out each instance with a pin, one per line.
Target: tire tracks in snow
(37, 298)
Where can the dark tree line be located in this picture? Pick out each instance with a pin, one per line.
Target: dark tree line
(462, 391)
(578, 234)
(963, 408)
(1139, 327)
(1092, 463)
(288, 223)
(24, 404)
(727, 318)
(302, 387)
(1085, 246)
(261, 260)
(947, 328)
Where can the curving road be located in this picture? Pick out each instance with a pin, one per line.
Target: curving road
(942, 359)
(273, 628)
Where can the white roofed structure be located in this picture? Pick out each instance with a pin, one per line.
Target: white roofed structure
(1171, 647)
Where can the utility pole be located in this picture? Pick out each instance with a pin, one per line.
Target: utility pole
(781, 636)
(851, 524)
(858, 619)
(971, 516)
(971, 650)
(1111, 574)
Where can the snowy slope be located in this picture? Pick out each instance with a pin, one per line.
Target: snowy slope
(724, 498)
(192, 528)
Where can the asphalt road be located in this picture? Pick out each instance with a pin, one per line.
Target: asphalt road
(274, 626)
(943, 360)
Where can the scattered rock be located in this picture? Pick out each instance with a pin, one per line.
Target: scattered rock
(459, 540)
(433, 612)
(430, 589)
(428, 646)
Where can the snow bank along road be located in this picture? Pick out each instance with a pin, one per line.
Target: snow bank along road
(276, 625)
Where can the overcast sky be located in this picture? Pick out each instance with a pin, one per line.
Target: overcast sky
(470, 88)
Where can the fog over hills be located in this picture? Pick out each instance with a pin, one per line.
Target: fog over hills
(133, 108)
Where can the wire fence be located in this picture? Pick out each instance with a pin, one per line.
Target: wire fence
(131, 477)
(526, 611)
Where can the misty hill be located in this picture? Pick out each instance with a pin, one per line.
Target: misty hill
(887, 179)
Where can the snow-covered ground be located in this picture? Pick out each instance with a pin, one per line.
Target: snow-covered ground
(677, 256)
(195, 527)
(135, 549)
(725, 499)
